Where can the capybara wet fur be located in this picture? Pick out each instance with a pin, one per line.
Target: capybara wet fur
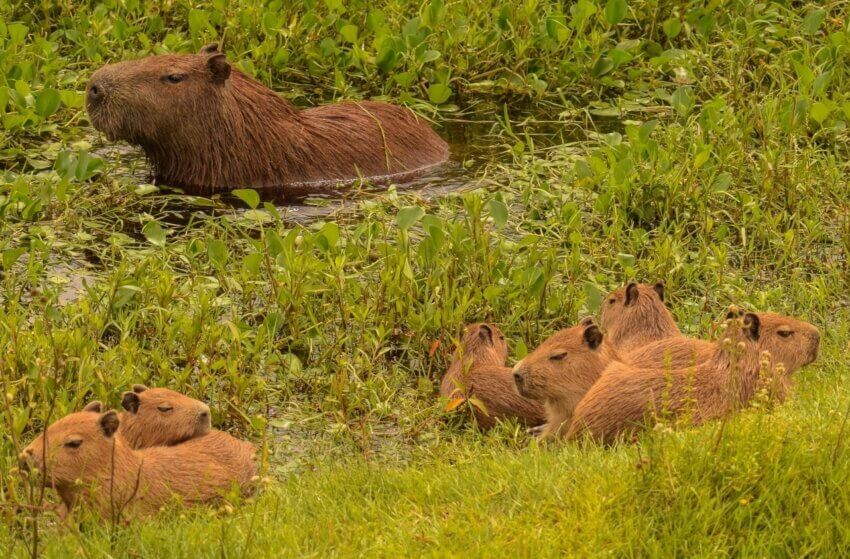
(84, 460)
(478, 371)
(757, 351)
(638, 323)
(207, 127)
(561, 370)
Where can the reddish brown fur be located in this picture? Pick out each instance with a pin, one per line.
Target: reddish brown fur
(219, 129)
(637, 322)
(159, 416)
(561, 370)
(198, 470)
(624, 398)
(478, 370)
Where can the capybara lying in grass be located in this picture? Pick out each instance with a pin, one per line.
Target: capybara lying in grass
(83, 459)
(478, 371)
(207, 127)
(758, 350)
(159, 416)
(561, 370)
(637, 322)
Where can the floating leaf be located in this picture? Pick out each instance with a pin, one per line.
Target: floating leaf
(47, 102)
(249, 196)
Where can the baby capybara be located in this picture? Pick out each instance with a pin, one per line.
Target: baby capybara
(637, 322)
(86, 461)
(207, 127)
(159, 416)
(478, 370)
(758, 350)
(561, 370)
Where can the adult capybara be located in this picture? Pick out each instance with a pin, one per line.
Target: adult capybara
(758, 350)
(478, 371)
(84, 460)
(637, 322)
(207, 127)
(561, 370)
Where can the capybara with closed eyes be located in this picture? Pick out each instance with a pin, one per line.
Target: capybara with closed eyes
(758, 350)
(637, 322)
(85, 460)
(159, 416)
(561, 370)
(478, 370)
(207, 127)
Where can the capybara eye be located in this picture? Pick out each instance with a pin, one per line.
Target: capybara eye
(502, 338)
(611, 301)
(558, 356)
(175, 78)
(164, 409)
(785, 333)
(74, 443)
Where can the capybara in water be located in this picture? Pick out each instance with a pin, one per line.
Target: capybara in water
(561, 370)
(625, 398)
(207, 127)
(478, 370)
(85, 460)
(637, 322)
(159, 416)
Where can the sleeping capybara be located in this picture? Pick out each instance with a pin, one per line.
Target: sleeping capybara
(625, 398)
(159, 416)
(561, 370)
(478, 370)
(207, 127)
(637, 322)
(86, 461)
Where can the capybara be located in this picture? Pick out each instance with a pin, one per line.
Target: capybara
(561, 370)
(637, 322)
(159, 416)
(478, 370)
(85, 460)
(207, 127)
(758, 350)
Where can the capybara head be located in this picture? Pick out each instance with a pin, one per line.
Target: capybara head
(159, 417)
(790, 341)
(156, 101)
(485, 344)
(77, 447)
(564, 366)
(636, 312)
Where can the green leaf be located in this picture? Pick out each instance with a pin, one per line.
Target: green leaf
(602, 67)
(47, 102)
(154, 233)
(615, 11)
(626, 260)
(199, 21)
(11, 256)
(819, 112)
(813, 21)
(249, 196)
(439, 93)
(217, 252)
(408, 216)
(349, 33)
(672, 27)
(498, 211)
(683, 100)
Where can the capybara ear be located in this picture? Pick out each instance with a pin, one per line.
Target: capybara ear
(130, 401)
(659, 288)
(219, 68)
(593, 336)
(139, 388)
(94, 406)
(109, 423)
(587, 321)
(752, 326)
(631, 293)
(485, 333)
(211, 48)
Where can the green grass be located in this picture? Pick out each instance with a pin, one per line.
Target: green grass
(705, 144)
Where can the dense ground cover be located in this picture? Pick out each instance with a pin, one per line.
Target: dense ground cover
(702, 143)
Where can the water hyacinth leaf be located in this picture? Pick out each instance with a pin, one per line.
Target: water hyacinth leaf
(615, 11)
(154, 233)
(408, 216)
(249, 196)
(47, 102)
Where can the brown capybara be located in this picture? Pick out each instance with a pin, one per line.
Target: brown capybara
(159, 416)
(759, 350)
(86, 461)
(478, 371)
(207, 127)
(561, 370)
(637, 322)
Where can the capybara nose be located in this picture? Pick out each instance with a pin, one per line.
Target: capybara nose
(96, 91)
